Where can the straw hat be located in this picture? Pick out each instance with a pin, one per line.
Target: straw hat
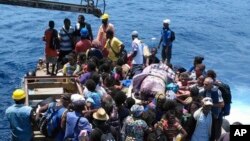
(101, 114)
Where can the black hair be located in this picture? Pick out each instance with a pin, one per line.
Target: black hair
(51, 24)
(120, 62)
(110, 32)
(66, 20)
(119, 98)
(79, 105)
(21, 101)
(91, 66)
(95, 60)
(118, 69)
(169, 105)
(96, 77)
(198, 59)
(82, 17)
(91, 85)
(194, 91)
(212, 74)
(109, 80)
(82, 57)
(105, 68)
(130, 102)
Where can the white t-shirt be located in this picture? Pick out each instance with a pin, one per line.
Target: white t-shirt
(137, 45)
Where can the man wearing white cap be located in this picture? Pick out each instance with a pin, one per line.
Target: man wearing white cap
(137, 53)
(167, 37)
(203, 117)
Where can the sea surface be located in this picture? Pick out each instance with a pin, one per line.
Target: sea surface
(217, 29)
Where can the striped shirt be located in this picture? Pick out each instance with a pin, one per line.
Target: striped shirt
(66, 41)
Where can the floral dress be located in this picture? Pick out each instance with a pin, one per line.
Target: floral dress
(134, 129)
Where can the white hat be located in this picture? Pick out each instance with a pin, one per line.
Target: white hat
(167, 21)
(76, 97)
(134, 33)
(207, 101)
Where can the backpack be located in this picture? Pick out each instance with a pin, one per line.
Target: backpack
(106, 136)
(49, 123)
(227, 97)
(172, 38)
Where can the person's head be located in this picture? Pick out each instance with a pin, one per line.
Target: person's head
(169, 105)
(198, 60)
(65, 100)
(81, 19)
(118, 69)
(51, 24)
(19, 96)
(134, 34)
(90, 85)
(100, 117)
(166, 23)
(107, 103)
(105, 18)
(153, 51)
(160, 100)
(170, 116)
(109, 34)
(84, 33)
(212, 74)
(129, 102)
(207, 104)
(208, 83)
(184, 78)
(199, 69)
(193, 107)
(71, 60)
(120, 97)
(96, 44)
(67, 23)
(91, 66)
(137, 110)
(200, 80)
(78, 105)
(108, 80)
(81, 58)
(96, 77)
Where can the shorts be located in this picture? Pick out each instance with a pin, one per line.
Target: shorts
(50, 59)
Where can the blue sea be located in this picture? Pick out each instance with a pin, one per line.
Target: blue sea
(218, 30)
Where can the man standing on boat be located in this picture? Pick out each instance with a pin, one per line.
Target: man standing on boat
(167, 37)
(51, 46)
(137, 54)
(20, 117)
(83, 25)
(101, 35)
(66, 41)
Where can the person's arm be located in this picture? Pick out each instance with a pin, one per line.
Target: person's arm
(90, 31)
(122, 48)
(221, 103)
(160, 42)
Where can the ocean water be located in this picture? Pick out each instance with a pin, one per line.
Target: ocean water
(218, 30)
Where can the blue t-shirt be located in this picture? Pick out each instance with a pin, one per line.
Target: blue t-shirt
(166, 37)
(96, 97)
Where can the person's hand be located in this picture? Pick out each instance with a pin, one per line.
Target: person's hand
(38, 109)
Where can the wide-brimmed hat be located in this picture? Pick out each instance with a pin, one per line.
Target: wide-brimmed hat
(101, 114)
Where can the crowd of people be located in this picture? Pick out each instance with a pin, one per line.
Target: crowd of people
(174, 104)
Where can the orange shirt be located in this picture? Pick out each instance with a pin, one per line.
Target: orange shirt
(49, 52)
(83, 45)
(101, 35)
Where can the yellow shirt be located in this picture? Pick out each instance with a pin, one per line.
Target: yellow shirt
(116, 46)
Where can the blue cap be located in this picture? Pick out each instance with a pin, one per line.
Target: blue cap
(84, 32)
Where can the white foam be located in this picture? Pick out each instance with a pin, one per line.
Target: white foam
(239, 112)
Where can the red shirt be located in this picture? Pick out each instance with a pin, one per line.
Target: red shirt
(49, 52)
(83, 45)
